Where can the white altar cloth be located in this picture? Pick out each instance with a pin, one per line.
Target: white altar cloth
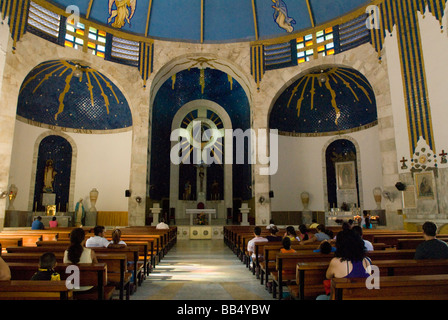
(194, 212)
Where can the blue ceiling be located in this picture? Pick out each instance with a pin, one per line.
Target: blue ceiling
(52, 94)
(325, 101)
(213, 20)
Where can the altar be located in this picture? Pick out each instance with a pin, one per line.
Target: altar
(194, 212)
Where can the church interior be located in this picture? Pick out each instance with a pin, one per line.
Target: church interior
(211, 114)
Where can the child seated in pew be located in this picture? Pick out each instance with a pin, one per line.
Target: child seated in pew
(287, 246)
(325, 247)
(291, 234)
(47, 263)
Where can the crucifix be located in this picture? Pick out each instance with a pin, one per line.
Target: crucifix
(443, 155)
(403, 163)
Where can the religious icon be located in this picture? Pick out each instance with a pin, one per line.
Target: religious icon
(424, 183)
(80, 214)
(281, 16)
(345, 174)
(49, 175)
(123, 12)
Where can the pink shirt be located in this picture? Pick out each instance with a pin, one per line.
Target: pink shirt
(53, 224)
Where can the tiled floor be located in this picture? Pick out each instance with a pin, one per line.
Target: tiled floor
(201, 270)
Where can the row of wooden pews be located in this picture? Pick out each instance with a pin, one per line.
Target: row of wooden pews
(302, 273)
(119, 270)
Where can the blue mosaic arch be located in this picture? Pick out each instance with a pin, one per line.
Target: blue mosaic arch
(326, 101)
(70, 95)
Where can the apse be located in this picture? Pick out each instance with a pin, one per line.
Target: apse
(69, 94)
(325, 101)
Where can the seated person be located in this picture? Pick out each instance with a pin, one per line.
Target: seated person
(98, 240)
(116, 240)
(47, 263)
(431, 248)
(321, 235)
(37, 224)
(273, 236)
(325, 247)
(287, 246)
(5, 272)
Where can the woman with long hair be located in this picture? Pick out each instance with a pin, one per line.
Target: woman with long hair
(77, 252)
(350, 260)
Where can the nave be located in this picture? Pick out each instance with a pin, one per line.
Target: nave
(201, 270)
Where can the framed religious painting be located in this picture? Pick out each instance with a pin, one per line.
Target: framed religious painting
(345, 175)
(425, 185)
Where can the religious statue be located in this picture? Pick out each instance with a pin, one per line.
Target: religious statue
(123, 13)
(80, 214)
(49, 175)
(281, 16)
(187, 191)
(215, 190)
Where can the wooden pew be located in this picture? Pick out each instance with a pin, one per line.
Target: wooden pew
(6, 241)
(417, 287)
(286, 264)
(412, 243)
(117, 273)
(34, 290)
(91, 274)
(131, 252)
(310, 275)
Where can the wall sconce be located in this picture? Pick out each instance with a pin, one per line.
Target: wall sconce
(138, 199)
(3, 194)
(261, 200)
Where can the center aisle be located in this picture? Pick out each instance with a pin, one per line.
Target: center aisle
(201, 270)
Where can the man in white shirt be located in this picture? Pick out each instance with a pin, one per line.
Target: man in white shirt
(162, 225)
(98, 240)
(251, 243)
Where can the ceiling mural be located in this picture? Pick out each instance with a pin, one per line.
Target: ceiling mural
(212, 21)
(71, 95)
(325, 101)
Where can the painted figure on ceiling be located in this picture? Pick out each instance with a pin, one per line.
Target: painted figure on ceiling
(123, 12)
(281, 16)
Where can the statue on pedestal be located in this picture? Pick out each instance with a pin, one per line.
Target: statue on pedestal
(49, 175)
(80, 214)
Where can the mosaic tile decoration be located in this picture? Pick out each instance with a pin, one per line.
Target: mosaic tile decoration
(186, 86)
(52, 94)
(330, 100)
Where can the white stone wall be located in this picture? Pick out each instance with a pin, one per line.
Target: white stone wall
(172, 57)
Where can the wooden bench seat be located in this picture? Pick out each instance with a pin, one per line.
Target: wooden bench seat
(285, 269)
(416, 287)
(131, 252)
(91, 274)
(310, 275)
(118, 274)
(34, 290)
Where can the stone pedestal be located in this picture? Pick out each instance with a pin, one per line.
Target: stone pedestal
(244, 214)
(155, 214)
(91, 219)
(307, 217)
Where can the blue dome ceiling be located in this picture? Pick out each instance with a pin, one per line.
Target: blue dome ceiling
(69, 95)
(213, 20)
(325, 102)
